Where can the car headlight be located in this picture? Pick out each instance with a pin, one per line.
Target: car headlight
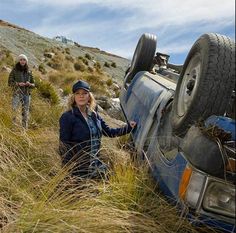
(220, 198)
(195, 187)
(191, 186)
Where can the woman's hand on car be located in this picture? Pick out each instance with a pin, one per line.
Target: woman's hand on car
(132, 124)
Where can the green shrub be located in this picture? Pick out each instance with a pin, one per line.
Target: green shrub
(67, 50)
(54, 78)
(70, 58)
(97, 83)
(42, 69)
(43, 113)
(92, 78)
(56, 62)
(56, 66)
(113, 64)
(66, 90)
(69, 79)
(6, 58)
(54, 50)
(68, 66)
(46, 90)
(90, 69)
(88, 56)
(62, 78)
(79, 66)
(85, 61)
(106, 64)
(109, 82)
(97, 65)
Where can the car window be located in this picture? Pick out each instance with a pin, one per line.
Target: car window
(151, 134)
(168, 142)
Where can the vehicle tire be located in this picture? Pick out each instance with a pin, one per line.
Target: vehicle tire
(206, 82)
(143, 55)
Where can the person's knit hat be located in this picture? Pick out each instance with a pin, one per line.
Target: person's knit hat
(80, 85)
(23, 56)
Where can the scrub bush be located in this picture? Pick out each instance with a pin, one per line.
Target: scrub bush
(106, 64)
(79, 66)
(42, 69)
(88, 56)
(46, 90)
(113, 64)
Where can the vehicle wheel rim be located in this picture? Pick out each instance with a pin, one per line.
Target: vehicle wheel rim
(189, 85)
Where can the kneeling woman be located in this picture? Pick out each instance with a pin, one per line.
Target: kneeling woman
(81, 129)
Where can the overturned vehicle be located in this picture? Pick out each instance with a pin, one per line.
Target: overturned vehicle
(186, 125)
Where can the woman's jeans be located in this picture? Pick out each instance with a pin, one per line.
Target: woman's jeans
(22, 100)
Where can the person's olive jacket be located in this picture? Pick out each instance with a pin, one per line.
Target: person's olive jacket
(17, 76)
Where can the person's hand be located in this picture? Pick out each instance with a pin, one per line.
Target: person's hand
(28, 84)
(21, 84)
(132, 124)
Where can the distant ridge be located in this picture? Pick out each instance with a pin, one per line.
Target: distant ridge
(7, 24)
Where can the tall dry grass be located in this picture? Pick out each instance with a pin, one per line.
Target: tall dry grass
(37, 195)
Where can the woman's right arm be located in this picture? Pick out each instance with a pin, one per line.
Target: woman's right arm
(65, 123)
(65, 127)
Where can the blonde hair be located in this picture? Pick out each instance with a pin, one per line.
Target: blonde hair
(91, 103)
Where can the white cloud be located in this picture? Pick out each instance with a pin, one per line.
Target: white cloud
(169, 11)
(170, 20)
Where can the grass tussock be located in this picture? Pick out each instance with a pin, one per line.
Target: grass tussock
(79, 66)
(66, 69)
(6, 58)
(65, 80)
(37, 195)
(46, 90)
(42, 68)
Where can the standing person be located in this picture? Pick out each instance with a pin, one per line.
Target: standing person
(21, 80)
(81, 129)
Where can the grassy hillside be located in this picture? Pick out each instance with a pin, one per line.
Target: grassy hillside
(18, 40)
(37, 195)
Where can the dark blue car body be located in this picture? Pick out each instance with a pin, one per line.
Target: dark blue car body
(145, 100)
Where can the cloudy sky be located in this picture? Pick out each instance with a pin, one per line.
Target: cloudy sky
(116, 26)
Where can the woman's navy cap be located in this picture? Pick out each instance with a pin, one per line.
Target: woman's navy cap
(80, 85)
